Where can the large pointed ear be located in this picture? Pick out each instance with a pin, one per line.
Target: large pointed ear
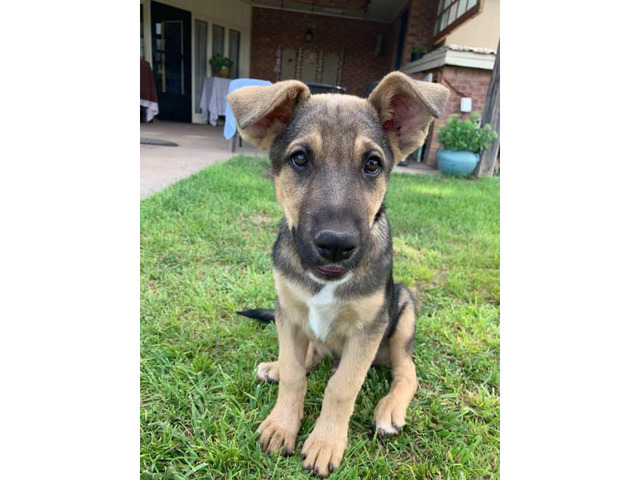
(262, 112)
(406, 108)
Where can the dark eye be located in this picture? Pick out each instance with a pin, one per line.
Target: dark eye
(373, 165)
(299, 159)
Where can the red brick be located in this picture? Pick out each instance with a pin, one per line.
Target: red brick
(471, 81)
(273, 29)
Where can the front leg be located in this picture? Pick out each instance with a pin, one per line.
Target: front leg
(280, 428)
(323, 450)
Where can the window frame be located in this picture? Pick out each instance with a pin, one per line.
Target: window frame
(471, 12)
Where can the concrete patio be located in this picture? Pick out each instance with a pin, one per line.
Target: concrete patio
(198, 146)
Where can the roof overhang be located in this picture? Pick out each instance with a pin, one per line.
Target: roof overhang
(453, 55)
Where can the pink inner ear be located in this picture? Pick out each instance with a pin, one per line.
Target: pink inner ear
(280, 114)
(391, 126)
(407, 115)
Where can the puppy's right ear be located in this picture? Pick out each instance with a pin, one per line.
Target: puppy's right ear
(263, 112)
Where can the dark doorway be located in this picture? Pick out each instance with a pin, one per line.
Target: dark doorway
(171, 33)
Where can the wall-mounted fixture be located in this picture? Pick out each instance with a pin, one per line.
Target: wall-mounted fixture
(309, 36)
(466, 104)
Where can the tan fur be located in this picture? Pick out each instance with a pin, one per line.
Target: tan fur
(362, 145)
(391, 411)
(280, 428)
(288, 197)
(325, 446)
(354, 317)
(313, 138)
(270, 372)
(349, 338)
(405, 108)
(428, 99)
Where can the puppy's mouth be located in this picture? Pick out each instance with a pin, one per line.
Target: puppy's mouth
(330, 272)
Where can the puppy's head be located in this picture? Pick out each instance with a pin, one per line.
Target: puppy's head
(332, 156)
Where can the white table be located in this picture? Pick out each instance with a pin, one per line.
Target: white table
(213, 102)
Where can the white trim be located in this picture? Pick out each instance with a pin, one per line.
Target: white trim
(456, 58)
(194, 102)
(148, 34)
(430, 61)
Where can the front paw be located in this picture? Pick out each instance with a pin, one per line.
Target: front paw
(278, 431)
(268, 372)
(390, 416)
(322, 453)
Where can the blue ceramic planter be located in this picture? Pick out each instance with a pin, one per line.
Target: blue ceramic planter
(457, 163)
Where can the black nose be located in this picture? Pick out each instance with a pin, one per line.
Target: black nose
(335, 246)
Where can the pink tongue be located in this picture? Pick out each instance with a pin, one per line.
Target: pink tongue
(330, 269)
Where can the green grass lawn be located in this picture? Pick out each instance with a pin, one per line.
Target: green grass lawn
(205, 253)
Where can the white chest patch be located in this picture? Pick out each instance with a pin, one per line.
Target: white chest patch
(323, 310)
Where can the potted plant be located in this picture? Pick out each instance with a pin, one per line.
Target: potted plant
(461, 142)
(221, 66)
(417, 52)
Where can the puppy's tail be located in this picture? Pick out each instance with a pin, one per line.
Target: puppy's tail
(264, 315)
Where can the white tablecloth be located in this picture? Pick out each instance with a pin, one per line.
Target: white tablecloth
(213, 100)
(151, 109)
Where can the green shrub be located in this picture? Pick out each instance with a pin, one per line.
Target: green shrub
(465, 135)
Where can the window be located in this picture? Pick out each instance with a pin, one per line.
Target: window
(218, 40)
(234, 51)
(452, 13)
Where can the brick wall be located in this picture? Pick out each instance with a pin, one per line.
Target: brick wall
(422, 17)
(470, 82)
(272, 29)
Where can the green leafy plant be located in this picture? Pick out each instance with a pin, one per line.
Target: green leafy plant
(419, 49)
(465, 135)
(218, 61)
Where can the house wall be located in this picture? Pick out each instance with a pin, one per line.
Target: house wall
(422, 16)
(461, 82)
(273, 29)
(481, 31)
(231, 14)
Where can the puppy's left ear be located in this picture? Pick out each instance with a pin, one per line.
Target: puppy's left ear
(263, 112)
(406, 108)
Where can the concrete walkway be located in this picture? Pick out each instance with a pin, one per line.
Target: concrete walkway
(198, 146)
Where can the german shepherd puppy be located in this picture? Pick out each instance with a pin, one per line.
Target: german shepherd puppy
(331, 157)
